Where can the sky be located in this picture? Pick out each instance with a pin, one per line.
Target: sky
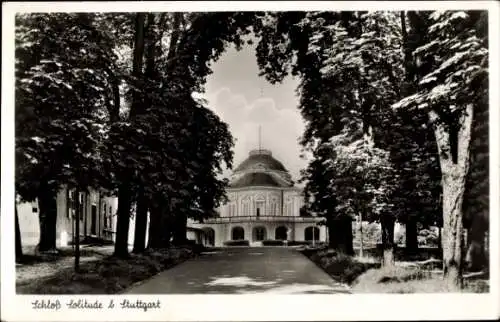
(246, 101)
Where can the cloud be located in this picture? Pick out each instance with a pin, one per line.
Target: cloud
(281, 128)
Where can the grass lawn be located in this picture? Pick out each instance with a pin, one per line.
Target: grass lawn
(98, 275)
(365, 275)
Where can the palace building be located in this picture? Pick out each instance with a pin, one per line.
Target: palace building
(263, 204)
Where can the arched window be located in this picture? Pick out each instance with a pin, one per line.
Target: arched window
(238, 233)
(308, 233)
(259, 233)
(281, 233)
(209, 236)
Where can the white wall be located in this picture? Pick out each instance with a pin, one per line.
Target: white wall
(28, 224)
(292, 199)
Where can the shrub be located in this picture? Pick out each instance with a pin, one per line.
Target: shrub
(399, 280)
(272, 242)
(298, 243)
(400, 237)
(424, 232)
(107, 276)
(344, 268)
(237, 243)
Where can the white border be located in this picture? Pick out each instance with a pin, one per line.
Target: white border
(248, 307)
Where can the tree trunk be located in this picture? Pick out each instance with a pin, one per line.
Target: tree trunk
(440, 240)
(361, 241)
(77, 232)
(124, 194)
(336, 234)
(155, 227)
(123, 220)
(348, 236)
(454, 150)
(150, 71)
(114, 109)
(167, 226)
(387, 224)
(84, 214)
(476, 256)
(174, 39)
(137, 58)
(19, 246)
(47, 204)
(330, 225)
(341, 235)
(180, 230)
(141, 221)
(411, 236)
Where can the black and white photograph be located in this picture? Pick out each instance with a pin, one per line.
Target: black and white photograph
(325, 151)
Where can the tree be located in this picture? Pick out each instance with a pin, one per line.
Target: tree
(148, 149)
(349, 64)
(60, 85)
(364, 178)
(19, 245)
(456, 52)
(476, 195)
(126, 173)
(413, 148)
(165, 153)
(283, 49)
(413, 153)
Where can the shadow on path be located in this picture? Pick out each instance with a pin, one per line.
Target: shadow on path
(273, 270)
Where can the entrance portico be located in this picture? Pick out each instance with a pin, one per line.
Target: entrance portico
(263, 204)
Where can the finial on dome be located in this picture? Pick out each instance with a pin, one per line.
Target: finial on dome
(260, 137)
(260, 151)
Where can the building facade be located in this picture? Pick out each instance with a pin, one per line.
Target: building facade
(97, 217)
(263, 204)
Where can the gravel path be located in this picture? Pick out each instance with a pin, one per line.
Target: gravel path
(25, 273)
(236, 270)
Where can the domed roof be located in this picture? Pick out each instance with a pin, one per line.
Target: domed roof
(261, 160)
(255, 179)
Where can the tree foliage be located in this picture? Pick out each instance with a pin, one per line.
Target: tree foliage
(452, 73)
(85, 117)
(60, 89)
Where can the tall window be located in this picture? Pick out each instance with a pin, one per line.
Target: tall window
(110, 216)
(71, 203)
(93, 221)
(105, 216)
(260, 204)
